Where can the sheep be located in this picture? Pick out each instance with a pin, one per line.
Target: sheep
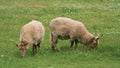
(31, 33)
(65, 28)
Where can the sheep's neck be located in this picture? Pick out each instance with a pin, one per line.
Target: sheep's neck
(86, 37)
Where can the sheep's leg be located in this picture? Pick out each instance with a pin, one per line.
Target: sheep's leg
(54, 45)
(33, 49)
(54, 40)
(38, 46)
(76, 44)
(51, 41)
(72, 42)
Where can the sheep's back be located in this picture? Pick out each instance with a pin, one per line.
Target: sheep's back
(66, 26)
(63, 27)
(62, 24)
(32, 31)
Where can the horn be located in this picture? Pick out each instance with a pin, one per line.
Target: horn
(99, 36)
(14, 42)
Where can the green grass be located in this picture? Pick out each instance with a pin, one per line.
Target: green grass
(99, 16)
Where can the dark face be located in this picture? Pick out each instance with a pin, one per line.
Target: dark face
(22, 49)
(94, 43)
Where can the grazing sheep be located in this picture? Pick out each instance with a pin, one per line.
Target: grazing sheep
(66, 28)
(31, 33)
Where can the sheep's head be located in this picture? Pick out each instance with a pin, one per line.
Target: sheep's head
(22, 46)
(93, 43)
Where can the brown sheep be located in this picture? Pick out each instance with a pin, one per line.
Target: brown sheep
(31, 33)
(66, 28)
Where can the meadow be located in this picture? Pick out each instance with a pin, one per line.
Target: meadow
(99, 17)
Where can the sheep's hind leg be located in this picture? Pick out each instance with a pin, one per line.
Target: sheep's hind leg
(54, 46)
(52, 42)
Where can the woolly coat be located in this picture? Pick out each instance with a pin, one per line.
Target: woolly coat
(66, 28)
(32, 33)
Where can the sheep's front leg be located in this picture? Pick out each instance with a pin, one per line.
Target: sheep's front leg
(54, 40)
(72, 43)
(33, 49)
(38, 46)
(76, 45)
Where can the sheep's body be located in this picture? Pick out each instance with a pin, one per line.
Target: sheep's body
(31, 33)
(66, 28)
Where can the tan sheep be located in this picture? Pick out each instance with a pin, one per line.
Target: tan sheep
(66, 28)
(31, 33)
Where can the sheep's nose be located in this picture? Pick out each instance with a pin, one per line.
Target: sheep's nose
(22, 56)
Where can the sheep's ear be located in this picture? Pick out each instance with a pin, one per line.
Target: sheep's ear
(97, 37)
(17, 44)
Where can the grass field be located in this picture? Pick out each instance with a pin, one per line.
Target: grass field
(99, 16)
